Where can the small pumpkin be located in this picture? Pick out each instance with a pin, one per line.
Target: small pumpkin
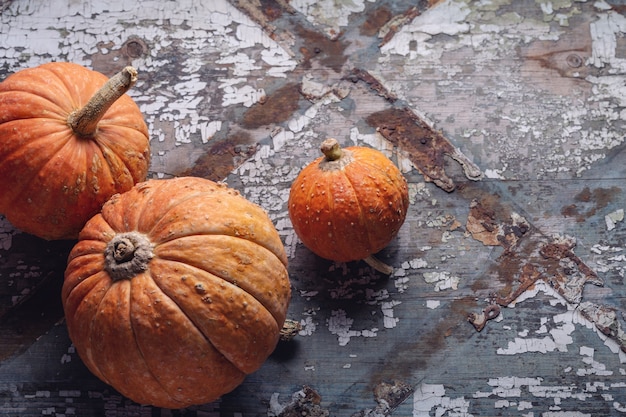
(69, 139)
(176, 291)
(349, 203)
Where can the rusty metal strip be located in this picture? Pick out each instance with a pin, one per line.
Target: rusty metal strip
(426, 147)
(388, 31)
(538, 257)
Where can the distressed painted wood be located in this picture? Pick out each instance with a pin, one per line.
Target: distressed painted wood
(514, 157)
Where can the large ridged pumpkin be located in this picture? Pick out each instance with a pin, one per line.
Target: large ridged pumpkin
(69, 139)
(349, 203)
(176, 291)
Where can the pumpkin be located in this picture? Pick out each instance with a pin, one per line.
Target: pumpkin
(349, 203)
(176, 291)
(69, 139)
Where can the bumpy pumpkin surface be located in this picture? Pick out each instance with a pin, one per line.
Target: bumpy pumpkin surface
(57, 171)
(349, 203)
(176, 291)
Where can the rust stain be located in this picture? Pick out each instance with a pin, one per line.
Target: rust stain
(527, 278)
(426, 147)
(275, 108)
(606, 320)
(358, 74)
(484, 227)
(306, 402)
(571, 210)
(598, 197)
(395, 24)
(264, 12)
(566, 272)
(479, 320)
(375, 20)
(388, 395)
(318, 47)
(223, 157)
(273, 9)
(417, 355)
(530, 256)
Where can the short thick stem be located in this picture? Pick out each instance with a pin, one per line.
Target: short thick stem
(127, 255)
(84, 121)
(331, 149)
(335, 158)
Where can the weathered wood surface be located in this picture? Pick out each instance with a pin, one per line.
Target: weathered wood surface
(530, 94)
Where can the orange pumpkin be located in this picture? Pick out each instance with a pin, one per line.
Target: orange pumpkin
(348, 204)
(69, 140)
(176, 291)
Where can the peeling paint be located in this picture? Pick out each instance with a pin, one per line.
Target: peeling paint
(432, 397)
(339, 324)
(331, 15)
(443, 280)
(613, 218)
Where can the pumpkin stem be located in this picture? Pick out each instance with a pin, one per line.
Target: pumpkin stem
(331, 149)
(290, 330)
(378, 265)
(127, 255)
(84, 121)
(123, 250)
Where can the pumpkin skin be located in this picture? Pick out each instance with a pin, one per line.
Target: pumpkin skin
(349, 205)
(53, 178)
(192, 312)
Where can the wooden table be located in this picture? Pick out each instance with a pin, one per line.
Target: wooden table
(508, 120)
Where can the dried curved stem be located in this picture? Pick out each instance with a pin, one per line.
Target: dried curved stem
(84, 121)
(379, 265)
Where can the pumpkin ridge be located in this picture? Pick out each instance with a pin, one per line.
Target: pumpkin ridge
(112, 160)
(52, 129)
(360, 206)
(70, 87)
(311, 189)
(398, 188)
(184, 314)
(27, 181)
(137, 345)
(163, 218)
(92, 363)
(141, 352)
(234, 236)
(105, 126)
(250, 289)
(110, 154)
(21, 82)
(230, 284)
(84, 159)
(64, 137)
(331, 203)
(44, 102)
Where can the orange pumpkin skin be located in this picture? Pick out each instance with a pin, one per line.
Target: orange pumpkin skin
(204, 311)
(54, 180)
(349, 208)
